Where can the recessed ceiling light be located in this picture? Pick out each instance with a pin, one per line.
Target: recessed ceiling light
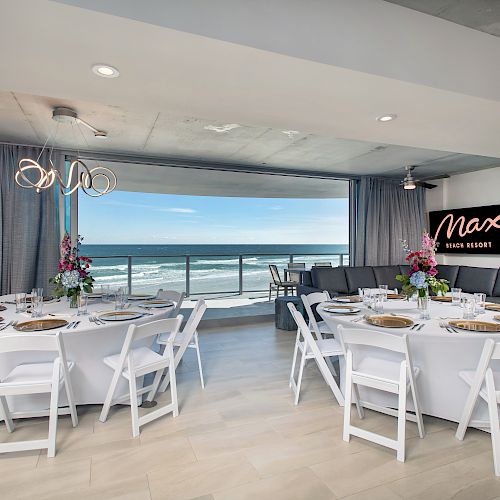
(100, 135)
(386, 118)
(222, 128)
(290, 133)
(105, 70)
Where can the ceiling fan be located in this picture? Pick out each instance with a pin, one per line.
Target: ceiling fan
(409, 182)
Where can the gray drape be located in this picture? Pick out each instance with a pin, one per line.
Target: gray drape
(29, 226)
(386, 214)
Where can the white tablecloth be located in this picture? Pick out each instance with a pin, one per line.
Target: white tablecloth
(86, 345)
(440, 355)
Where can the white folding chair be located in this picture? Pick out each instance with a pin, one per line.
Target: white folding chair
(133, 362)
(188, 338)
(397, 377)
(318, 350)
(320, 328)
(483, 383)
(36, 378)
(176, 297)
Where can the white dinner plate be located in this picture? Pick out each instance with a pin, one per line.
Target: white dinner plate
(121, 315)
(341, 309)
(137, 296)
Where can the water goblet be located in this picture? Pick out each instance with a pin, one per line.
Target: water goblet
(384, 290)
(480, 303)
(366, 296)
(456, 294)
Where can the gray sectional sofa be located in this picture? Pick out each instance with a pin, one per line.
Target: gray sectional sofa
(347, 280)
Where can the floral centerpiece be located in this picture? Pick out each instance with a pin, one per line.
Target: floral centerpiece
(423, 270)
(74, 275)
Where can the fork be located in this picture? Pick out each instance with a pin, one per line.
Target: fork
(10, 323)
(442, 324)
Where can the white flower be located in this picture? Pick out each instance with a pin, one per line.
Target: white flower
(70, 279)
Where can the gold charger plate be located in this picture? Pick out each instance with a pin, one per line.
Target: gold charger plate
(121, 315)
(40, 325)
(438, 298)
(389, 321)
(490, 307)
(474, 325)
(396, 296)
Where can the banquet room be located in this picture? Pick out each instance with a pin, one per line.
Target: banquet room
(250, 249)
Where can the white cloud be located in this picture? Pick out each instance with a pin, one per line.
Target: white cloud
(178, 210)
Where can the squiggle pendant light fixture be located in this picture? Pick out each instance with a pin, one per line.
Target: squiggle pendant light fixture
(45, 178)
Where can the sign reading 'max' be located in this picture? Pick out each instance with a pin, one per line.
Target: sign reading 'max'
(467, 230)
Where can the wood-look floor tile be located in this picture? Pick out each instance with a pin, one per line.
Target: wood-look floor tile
(300, 484)
(201, 477)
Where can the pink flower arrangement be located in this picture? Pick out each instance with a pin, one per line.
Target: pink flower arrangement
(424, 263)
(72, 268)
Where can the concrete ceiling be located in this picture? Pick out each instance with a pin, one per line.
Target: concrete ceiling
(326, 72)
(481, 15)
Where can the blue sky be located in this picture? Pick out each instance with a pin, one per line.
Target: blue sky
(144, 218)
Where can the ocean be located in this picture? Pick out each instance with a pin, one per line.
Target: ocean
(213, 268)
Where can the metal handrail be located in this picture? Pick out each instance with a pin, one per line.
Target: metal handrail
(187, 260)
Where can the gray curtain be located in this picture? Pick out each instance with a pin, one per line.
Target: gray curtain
(386, 214)
(29, 225)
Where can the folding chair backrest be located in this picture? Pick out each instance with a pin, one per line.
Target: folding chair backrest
(496, 350)
(194, 319)
(310, 301)
(177, 297)
(297, 265)
(275, 274)
(30, 343)
(373, 338)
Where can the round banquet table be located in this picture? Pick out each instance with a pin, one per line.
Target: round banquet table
(86, 346)
(439, 355)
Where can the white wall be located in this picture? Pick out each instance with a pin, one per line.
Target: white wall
(467, 190)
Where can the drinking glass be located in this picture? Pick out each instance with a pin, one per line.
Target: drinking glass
(37, 291)
(469, 308)
(385, 290)
(456, 296)
(378, 302)
(20, 302)
(366, 296)
(82, 302)
(36, 306)
(480, 302)
(360, 292)
(424, 305)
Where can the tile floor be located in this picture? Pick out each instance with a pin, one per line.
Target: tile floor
(242, 438)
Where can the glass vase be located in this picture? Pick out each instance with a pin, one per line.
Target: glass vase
(73, 301)
(423, 303)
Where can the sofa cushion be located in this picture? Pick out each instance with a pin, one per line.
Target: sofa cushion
(496, 288)
(329, 278)
(360, 277)
(386, 275)
(476, 279)
(449, 273)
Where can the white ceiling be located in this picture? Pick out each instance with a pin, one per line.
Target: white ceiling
(482, 15)
(326, 71)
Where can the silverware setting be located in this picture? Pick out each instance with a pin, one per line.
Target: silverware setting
(417, 327)
(96, 320)
(355, 320)
(447, 327)
(10, 323)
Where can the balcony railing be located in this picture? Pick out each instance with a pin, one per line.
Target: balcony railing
(188, 262)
